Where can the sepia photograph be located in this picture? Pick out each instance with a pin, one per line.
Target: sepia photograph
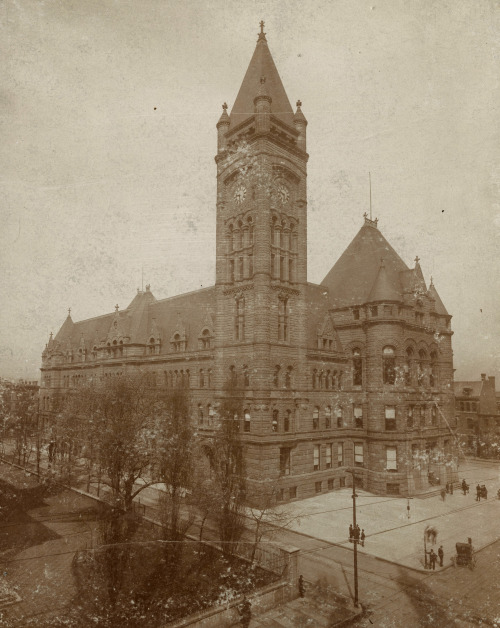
(249, 322)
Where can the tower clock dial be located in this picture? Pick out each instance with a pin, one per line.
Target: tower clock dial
(283, 193)
(240, 193)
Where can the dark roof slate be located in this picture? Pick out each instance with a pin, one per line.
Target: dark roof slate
(261, 65)
(354, 275)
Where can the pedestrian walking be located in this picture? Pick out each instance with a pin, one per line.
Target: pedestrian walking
(302, 589)
(441, 555)
(478, 493)
(484, 491)
(447, 487)
(443, 494)
(245, 613)
(432, 558)
(464, 486)
(362, 538)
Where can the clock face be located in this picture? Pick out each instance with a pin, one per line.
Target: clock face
(283, 193)
(240, 193)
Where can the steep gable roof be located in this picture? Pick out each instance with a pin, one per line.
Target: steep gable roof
(261, 65)
(354, 275)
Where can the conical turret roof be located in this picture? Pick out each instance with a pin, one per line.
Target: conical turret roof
(383, 289)
(261, 65)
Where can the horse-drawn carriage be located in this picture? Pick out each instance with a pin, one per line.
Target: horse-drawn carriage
(465, 555)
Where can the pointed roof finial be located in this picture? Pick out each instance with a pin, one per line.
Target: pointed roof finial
(299, 104)
(417, 260)
(432, 281)
(262, 35)
(116, 307)
(224, 106)
(69, 311)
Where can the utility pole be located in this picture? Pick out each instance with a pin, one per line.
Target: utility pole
(355, 540)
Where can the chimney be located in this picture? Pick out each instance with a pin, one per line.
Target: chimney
(483, 376)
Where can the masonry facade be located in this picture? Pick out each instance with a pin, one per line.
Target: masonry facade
(477, 407)
(355, 372)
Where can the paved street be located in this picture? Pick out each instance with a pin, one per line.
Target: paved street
(391, 534)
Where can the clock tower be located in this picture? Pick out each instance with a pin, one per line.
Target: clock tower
(261, 264)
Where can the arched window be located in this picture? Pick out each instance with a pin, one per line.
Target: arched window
(287, 421)
(211, 414)
(328, 417)
(177, 342)
(246, 376)
(433, 377)
(209, 378)
(275, 420)
(288, 378)
(205, 339)
(409, 417)
(408, 366)
(314, 379)
(200, 414)
(239, 320)
(316, 418)
(232, 375)
(276, 376)
(422, 357)
(283, 319)
(357, 368)
(327, 380)
(246, 423)
(389, 365)
(188, 379)
(202, 378)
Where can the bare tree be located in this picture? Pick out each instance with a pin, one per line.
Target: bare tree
(175, 450)
(228, 470)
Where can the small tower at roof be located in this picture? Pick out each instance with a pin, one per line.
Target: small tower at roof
(300, 122)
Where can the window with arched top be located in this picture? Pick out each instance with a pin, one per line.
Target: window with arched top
(200, 414)
(288, 378)
(314, 379)
(275, 422)
(389, 365)
(276, 376)
(232, 375)
(288, 420)
(328, 417)
(409, 366)
(246, 423)
(422, 358)
(316, 418)
(357, 367)
(202, 378)
(246, 376)
(433, 376)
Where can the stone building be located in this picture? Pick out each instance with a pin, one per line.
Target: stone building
(477, 406)
(354, 372)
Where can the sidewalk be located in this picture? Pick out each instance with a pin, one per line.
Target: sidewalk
(392, 535)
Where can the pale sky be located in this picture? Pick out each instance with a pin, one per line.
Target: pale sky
(96, 183)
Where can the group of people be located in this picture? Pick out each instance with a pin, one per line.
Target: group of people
(481, 491)
(356, 535)
(433, 557)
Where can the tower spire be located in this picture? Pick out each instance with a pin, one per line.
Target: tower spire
(262, 35)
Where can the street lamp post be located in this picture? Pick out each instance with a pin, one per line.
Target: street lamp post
(355, 540)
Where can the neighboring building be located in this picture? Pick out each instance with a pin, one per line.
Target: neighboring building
(355, 372)
(477, 405)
